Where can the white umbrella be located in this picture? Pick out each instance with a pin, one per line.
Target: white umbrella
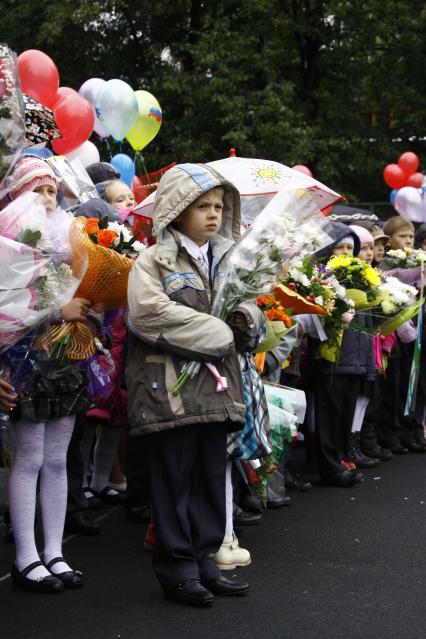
(258, 181)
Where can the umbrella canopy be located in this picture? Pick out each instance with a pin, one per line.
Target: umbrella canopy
(342, 213)
(40, 125)
(258, 181)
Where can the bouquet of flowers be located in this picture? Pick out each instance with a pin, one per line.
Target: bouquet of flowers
(290, 226)
(399, 304)
(402, 258)
(109, 250)
(360, 280)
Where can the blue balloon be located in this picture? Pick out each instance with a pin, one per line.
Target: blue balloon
(392, 195)
(126, 166)
(41, 153)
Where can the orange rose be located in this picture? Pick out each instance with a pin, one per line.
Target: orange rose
(92, 225)
(270, 315)
(106, 238)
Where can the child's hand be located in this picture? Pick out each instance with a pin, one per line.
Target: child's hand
(7, 395)
(76, 310)
(238, 320)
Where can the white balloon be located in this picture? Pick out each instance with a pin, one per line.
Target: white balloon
(87, 153)
(411, 203)
(89, 90)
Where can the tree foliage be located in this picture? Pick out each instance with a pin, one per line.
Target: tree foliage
(337, 85)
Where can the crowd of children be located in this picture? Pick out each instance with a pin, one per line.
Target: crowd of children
(170, 458)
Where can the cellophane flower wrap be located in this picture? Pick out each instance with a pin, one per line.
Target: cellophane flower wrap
(12, 116)
(36, 278)
(289, 227)
(106, 249)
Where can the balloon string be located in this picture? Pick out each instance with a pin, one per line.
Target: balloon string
(108, 148)
(139, 156)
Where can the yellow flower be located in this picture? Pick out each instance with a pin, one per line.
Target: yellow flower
(340, 261)
(372, 276)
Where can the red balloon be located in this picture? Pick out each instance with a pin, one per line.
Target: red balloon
(394, 176)
(303, 169)
(75, 119)
(39, 76)
(63, 92)
(408, 162)
(415, 180)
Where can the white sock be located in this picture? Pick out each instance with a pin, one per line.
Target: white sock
(360, 408)
(54, 488)
(229, 492)
(105, 452)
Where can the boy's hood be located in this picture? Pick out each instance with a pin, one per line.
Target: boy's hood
(337, 231)
(181, 185)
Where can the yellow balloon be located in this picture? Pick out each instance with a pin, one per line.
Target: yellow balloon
(147, 123)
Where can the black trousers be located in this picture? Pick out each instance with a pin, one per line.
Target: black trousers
(137, 471)
(75, 468)
(188, 467)
(335, 400)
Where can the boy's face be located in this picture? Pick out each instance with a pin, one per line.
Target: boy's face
(203, 218)
(404, 238)
(379, 249)
(344, 248)
(366, 252)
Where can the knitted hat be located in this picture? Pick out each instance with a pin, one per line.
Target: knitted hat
(30, 173)
(364, 236)
(378, 234)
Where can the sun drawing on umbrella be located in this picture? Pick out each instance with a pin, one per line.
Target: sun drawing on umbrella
(267, 174)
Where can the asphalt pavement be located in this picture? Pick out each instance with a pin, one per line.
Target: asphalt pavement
(339, 563)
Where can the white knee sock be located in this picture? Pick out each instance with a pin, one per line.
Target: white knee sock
(229, 501)
(54, 488)
(105, 453)
(360, 408)
(28, 446)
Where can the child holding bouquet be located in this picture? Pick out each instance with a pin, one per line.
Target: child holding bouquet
(336, 385)
(43, 421)
(171, 289)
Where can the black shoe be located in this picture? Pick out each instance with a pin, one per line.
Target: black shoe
(142, 513)
(252, 504)
(70, 578)
(382, 454)
(279, 503)
(294, 482)
(362, 461)
(343, 478)
(226, 587)
(399, 449)
(92, 501)
(191, 593)
(413, 447)
(112, 499)
(243, 518)
(80, 524)
(45, 584)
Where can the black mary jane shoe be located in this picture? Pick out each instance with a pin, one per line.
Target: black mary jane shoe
(45, 584)
(69, 578)
(191, 593)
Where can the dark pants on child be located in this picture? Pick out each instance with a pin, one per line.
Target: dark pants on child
(76, 499)
(335, 401)
(188, 466)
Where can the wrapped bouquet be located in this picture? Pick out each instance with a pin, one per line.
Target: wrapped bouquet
(290, 227)
(109, 250)
(402, 258)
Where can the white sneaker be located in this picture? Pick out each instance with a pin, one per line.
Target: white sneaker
(230, 555)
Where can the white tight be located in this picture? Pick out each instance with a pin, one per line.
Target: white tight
(39, 449)
(360, 408)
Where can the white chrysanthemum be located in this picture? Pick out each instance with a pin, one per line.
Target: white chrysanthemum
(398, 253)
(120, 228)
(399, 294)
(139, 246)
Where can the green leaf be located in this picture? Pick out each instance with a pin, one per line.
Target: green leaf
(29, 237)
